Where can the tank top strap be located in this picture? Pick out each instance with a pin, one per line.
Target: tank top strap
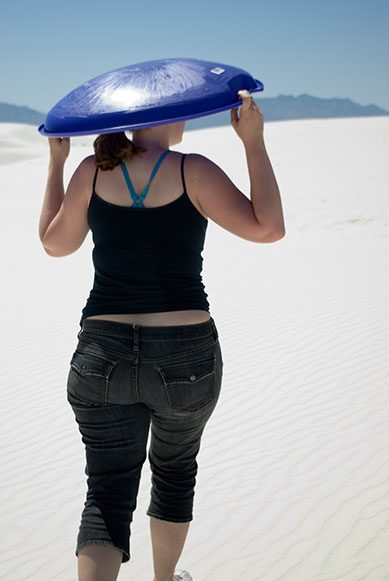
(139, 199)
(128, 181)
(94, 180)
(182, 172)
(156, 168)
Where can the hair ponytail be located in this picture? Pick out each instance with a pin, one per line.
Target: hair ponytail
(113, 148)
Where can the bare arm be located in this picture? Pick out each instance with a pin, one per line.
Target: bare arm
(63, 224)
(259, 219)
(55, 193)
(265, 195)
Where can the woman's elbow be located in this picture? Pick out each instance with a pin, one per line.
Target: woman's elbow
(275, 236)
(52, 253)
(272, 236)
(56, 253)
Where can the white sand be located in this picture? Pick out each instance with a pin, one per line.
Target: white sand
(293, 478)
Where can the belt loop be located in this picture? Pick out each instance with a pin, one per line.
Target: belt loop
(135, 328)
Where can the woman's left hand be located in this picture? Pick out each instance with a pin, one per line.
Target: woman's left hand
(59, 148)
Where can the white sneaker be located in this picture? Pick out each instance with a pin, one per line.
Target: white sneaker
(182, 576)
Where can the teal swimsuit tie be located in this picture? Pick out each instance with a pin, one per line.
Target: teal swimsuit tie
(138, 200)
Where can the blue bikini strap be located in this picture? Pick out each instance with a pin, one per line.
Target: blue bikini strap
(139, 199)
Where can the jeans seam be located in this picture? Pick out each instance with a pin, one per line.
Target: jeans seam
(167, 338)
(153, 339)
(186, 363)
(151, 359)
(134, 379)
(174, 356)
(113, 351)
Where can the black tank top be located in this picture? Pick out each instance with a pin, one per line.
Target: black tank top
(146, 260)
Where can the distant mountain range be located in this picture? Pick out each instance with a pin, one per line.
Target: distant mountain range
(15, 114)
(286, 107)
(281, 108)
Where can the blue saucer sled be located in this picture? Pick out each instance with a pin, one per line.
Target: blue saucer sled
(148, 94)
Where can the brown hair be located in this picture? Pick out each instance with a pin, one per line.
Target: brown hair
(113, 148)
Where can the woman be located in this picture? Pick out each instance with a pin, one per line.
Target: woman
(148, 350)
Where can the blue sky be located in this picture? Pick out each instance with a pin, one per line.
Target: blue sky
(326, 48)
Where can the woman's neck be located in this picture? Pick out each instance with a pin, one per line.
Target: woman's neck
(154, 138)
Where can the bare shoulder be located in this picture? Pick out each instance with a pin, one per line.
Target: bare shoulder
(87, 166)
(196, 165)
(85, 169)
(205, 176)
(82, 179)
(201, 174)
(220, 199)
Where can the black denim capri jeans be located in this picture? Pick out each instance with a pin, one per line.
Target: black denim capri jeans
(122, 379)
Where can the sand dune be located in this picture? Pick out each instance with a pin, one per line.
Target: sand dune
(293, 478)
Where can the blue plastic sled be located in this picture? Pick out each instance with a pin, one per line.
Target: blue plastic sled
(148, 94)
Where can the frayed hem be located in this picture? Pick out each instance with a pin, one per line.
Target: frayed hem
(126, 555)
(168, 519)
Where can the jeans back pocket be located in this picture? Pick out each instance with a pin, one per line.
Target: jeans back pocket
(88, 379)
(190, 385)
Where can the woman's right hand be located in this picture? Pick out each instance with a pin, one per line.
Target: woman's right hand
(249, 125)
